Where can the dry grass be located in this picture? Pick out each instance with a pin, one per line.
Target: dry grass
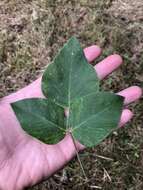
(31, 32)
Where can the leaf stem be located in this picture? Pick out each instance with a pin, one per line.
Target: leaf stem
(78, 157)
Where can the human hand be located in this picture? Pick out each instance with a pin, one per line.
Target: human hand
(24, 161)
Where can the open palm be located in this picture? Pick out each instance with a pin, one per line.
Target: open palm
(24, 161)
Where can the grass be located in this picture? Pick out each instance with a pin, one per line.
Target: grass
(31, 32)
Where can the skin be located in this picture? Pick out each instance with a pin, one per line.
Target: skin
(24, 161)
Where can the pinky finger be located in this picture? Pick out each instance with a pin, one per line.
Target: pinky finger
(125, 117)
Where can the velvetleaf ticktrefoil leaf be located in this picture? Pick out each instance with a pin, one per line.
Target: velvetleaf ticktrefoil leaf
(70, 83)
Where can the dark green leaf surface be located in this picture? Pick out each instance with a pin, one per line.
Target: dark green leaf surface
(94, 117)
(41, 118)
(70, 82)
(70, 76)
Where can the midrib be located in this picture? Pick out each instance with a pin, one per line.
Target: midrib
(69, 93)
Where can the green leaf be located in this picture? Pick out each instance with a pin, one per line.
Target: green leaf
(41, 118)
(70, 83)
(94, 117)
(70, 76)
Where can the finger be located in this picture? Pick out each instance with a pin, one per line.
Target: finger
(108, 65)
(92, 52)
(131, 94)
(125, 117)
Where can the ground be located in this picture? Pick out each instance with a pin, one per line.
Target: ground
(31, 33)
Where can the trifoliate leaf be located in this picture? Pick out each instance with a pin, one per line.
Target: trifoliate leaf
(70, 82)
